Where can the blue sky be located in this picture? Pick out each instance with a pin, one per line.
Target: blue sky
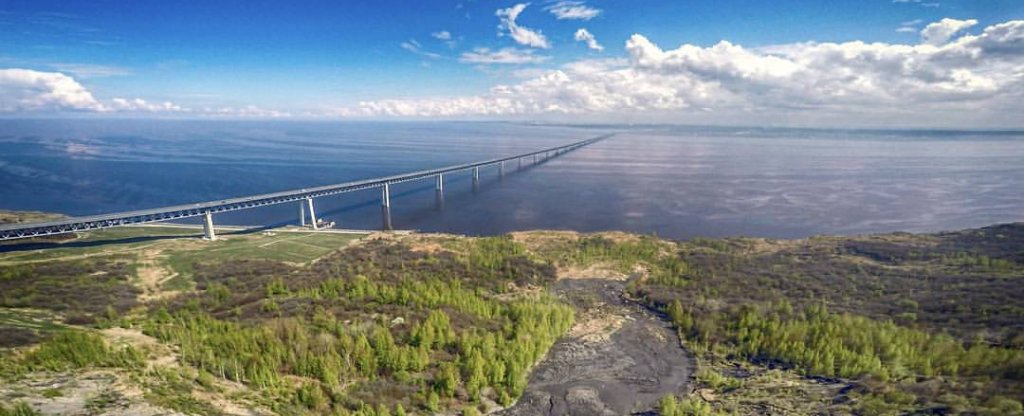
(312, 58)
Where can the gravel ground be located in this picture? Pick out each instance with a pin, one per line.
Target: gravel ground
(619, 359)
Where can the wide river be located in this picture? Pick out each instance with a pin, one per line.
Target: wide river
(677, 182)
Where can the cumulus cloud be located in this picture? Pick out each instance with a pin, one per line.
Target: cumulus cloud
(584, 35)
(940, 32)
(573, 10)
(28, 90)
(523, 36)
(969, 74)
(501, 56)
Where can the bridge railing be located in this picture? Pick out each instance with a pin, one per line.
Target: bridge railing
(73, 224)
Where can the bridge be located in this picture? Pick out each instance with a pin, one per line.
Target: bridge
(304, 197)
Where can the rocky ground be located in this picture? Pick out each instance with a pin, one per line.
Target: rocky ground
(618, 359)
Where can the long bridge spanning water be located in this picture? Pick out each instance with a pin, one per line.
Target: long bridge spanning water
(305, 198)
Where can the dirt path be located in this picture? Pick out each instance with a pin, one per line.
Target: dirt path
(618, 359)
(152, 276)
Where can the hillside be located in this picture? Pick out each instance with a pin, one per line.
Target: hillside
(151, 320)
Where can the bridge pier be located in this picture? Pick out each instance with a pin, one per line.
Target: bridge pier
(385, 205)
(208, 232)
(520, 163)
(312, 212)
(302, 213)
(501, 168)
(439, 192)
(476, 176)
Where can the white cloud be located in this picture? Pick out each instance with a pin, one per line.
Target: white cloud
(909, 26)
(29, 90)
(940, 32)
(446, 37)
(573, 10)
(413, 46)
(501, 56)
(140, 105)
(584, 35)
(971, 77)
(523, 36)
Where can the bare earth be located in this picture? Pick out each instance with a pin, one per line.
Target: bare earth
(618, 359)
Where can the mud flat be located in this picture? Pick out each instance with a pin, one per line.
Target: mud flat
(618, 359)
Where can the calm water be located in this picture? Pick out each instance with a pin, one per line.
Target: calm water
(673, 181)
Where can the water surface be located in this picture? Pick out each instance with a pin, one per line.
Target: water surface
(677, 182)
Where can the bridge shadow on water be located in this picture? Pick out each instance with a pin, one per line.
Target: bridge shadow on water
(41, 243)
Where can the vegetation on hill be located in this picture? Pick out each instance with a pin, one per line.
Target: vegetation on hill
(930, 323)
(886, 324)
(376, 329)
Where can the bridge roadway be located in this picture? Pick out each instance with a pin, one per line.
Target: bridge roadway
(305, 196)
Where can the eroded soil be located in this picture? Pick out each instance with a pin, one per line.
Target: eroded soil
(618, 359)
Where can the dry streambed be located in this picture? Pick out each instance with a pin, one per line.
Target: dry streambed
(618, 359)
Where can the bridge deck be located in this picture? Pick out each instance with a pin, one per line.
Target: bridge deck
(68, 225)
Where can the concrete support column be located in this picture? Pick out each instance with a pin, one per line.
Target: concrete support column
(520, 163)
(439, 193)
(208, 226)
(476, 175)
(501, 168)
(385, 206)
(302, 213)
(312, 212)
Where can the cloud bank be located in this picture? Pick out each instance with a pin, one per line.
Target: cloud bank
(945, 74)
